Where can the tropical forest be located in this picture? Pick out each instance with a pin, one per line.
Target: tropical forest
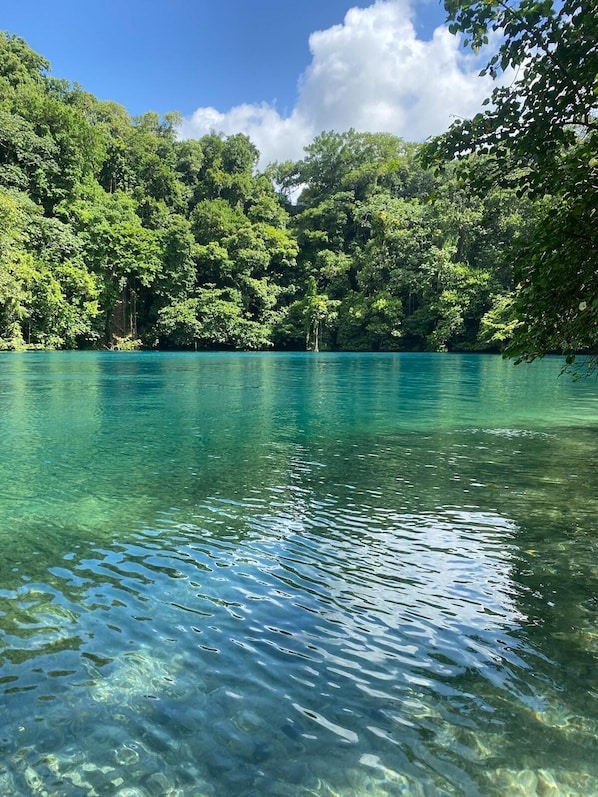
(117, 234)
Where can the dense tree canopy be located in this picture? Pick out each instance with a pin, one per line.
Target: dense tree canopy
(115, 233)
(380, 266)
(539, 135)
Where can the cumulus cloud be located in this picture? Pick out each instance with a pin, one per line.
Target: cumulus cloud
(278, 138)
(372, 73)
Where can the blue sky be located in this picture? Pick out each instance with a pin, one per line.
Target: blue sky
(280, 71)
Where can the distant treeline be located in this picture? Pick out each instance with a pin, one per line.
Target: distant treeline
(113, 233)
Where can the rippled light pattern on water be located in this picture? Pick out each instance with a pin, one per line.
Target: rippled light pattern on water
(238, 575)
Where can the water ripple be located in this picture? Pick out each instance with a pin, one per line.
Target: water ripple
(343, 613)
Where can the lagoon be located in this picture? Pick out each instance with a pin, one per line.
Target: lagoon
(297, 574)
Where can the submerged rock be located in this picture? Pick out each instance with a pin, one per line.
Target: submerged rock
(541, 783)
(591, 605)
(132, 791)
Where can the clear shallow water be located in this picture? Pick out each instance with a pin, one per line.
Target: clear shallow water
(297, 575)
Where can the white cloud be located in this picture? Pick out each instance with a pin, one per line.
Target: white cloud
(372, 73)
(277, 138)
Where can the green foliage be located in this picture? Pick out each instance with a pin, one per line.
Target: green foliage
(550, 105)
(306, 320)
(211, 319)
(540, 133)
(13, 294)
(370, 323)
(50, 302)
(557, 298)
(114, 233)
(498, 324)
(19, 64)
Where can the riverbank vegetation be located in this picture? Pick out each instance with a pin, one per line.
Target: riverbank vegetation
(114, 233)
(539, 137)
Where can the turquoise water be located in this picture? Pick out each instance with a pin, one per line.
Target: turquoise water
(273, 574)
